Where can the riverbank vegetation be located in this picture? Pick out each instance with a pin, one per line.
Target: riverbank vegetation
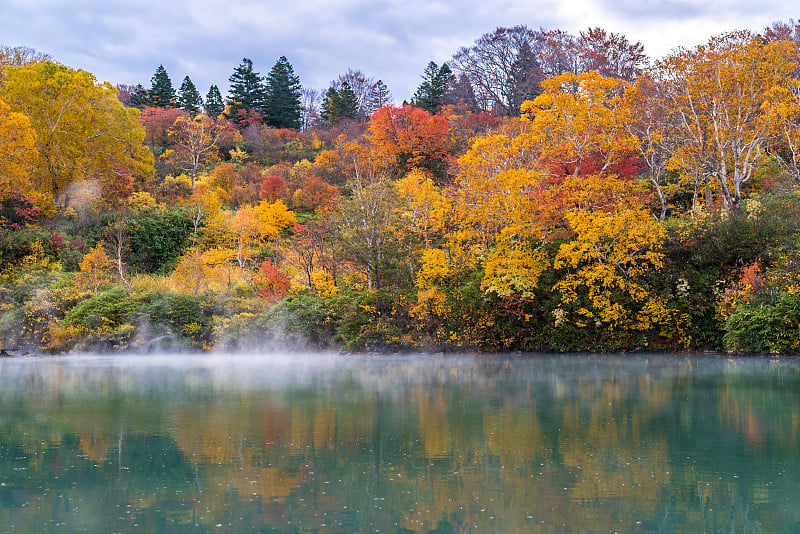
(579, 198)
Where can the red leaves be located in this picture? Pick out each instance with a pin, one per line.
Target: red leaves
(272, 282)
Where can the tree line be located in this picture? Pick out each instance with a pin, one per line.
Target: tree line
(586, 201)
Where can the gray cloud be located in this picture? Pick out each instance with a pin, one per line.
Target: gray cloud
(124, 41)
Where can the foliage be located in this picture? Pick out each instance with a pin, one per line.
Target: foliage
(213, 105)
(282, 96)
(189, 97)
(247, 92)
(82, 131)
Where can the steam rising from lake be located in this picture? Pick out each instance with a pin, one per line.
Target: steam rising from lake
(97, 374)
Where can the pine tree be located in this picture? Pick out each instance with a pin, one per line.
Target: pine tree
(348, 102)
(161, 94)
(282, 109)
(139, 97)
(188, 97)
(247, 92)
(380, 96)
(430, 94)
(331, 105)
(340, 104)
(214, 106)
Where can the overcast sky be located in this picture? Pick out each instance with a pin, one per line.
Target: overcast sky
(123, 41)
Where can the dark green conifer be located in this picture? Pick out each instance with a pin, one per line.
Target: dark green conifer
(435, 81)
(139, 97)
(188, 97)
(282, 108)
(247, 92)
(214, 105)
(161, 94)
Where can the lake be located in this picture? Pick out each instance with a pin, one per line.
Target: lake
(334, 443)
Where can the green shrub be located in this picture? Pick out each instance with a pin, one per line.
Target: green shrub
(766, 327)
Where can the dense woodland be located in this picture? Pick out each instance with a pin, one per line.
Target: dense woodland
(541, 191)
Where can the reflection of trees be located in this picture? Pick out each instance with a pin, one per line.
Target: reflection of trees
(640, 448)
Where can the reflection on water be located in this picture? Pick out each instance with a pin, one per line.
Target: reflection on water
(399, 444)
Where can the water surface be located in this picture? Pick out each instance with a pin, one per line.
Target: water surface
(332, 443)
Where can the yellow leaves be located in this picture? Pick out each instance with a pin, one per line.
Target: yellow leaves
(427, 208)
(17, 151)
(324, 284)
(576, 117)
(82, 130)
(95, 270)
(606, 266)
(204, 270)
(514, 268)
(433, 269)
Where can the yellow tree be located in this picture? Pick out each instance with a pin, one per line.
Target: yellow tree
(252, 226)
(643, 118)
(199, 270)
(785, 118)
(95, 269)
(605, 268)
(364, 221)
(82, 130)
(719, 98)
(577, 121)
(517, 184)
(425, 211)
(17, 152)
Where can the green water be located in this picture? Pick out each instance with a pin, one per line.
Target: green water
(326, 443)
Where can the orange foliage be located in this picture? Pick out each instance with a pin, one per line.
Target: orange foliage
(272, 283)
(411, 137)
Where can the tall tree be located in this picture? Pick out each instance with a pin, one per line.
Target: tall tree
(282, 104)
(214, 105)
(311, 103)
(493, 66)
(362, 87)
(340, 104)
(720, 97)
(83, 132)
(331, 105)
(17, 152)
(161, 94)
(611, 54)
(139, 96)
(435, 82)
(380, 96)
(189, 97)
(194, 142)
(247, 91)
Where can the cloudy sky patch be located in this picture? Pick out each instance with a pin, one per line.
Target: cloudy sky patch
(124, 41)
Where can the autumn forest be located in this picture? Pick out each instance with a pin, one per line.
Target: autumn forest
(540, 191)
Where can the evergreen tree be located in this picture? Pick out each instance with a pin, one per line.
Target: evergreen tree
(161, 94)
(247, 92)
(330, 106)
(341, 104)
(282, 109)
(139, 97)
(348, 102)
(430, 94)
(214, 105)
(380, 96)
(188, 97)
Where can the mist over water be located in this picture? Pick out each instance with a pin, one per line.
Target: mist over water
(293, 442)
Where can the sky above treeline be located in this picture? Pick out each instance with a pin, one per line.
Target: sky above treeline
(124, 41)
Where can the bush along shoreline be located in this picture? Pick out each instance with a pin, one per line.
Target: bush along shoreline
(729, 284)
